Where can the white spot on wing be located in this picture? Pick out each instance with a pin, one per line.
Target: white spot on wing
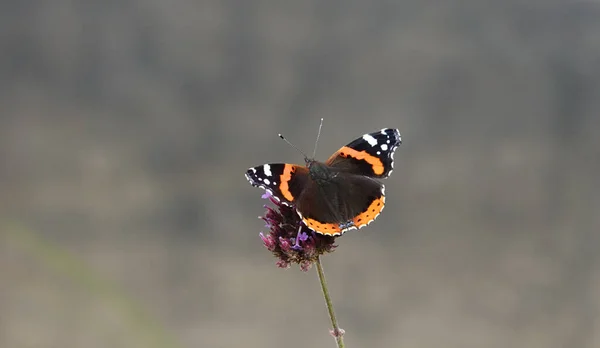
(369, 139)
(267, 169)
(267, 181)
(384, 147)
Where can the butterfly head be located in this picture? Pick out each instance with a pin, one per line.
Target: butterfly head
(318, 171)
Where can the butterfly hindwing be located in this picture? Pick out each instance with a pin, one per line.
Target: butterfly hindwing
(346, 202)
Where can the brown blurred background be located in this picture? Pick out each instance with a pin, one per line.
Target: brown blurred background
(126, 127)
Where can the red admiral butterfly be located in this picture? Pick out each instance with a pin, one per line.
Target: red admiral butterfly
(337, 195)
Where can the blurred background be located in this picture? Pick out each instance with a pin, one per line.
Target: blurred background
(126, 127)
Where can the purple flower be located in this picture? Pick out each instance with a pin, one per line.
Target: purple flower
(268, 241)
(289, 239)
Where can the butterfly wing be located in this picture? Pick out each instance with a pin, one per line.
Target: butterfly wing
(371, 155)
(283, 181)
(345, 202)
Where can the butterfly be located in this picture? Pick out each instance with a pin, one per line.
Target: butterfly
(341, 194)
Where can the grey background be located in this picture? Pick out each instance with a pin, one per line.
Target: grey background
(126, 127)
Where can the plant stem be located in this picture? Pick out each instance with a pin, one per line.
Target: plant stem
(336, 332)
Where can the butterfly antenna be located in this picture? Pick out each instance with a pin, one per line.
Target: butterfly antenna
(294, 146)
(317, 141)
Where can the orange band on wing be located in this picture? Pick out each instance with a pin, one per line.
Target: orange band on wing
(361, 220)
(285, 178)
(329, 229)
(375, 162)
(370, 214)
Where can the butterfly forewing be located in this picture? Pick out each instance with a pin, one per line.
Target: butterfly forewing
(370, 155)
(284, 181)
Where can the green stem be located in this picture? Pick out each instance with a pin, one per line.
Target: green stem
(336, 332)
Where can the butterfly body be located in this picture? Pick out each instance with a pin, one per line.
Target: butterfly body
(337, 195)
